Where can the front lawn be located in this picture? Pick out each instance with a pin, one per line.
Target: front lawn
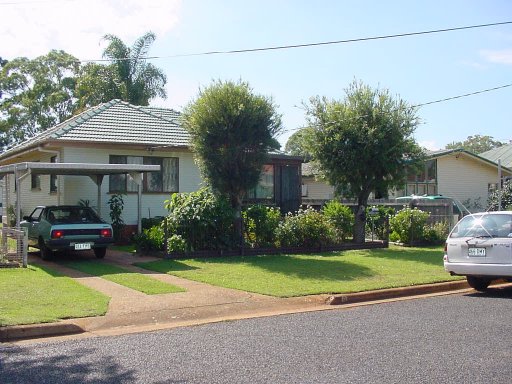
(41, 295)
(136, 281)
(297, 275)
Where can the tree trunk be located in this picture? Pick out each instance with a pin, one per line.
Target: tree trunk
(360, 224)
(236, 203)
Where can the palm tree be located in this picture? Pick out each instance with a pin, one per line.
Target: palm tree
(137, 81)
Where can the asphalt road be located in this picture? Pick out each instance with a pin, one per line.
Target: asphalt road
(456, 338)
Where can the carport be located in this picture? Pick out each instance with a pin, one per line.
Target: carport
(94, 171)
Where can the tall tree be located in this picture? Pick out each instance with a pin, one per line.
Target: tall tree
(136, 80)
(476, 144)
(363, 144)
(36, 94)
(298, 143)
(232, 130)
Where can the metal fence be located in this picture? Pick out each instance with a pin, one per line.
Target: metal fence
(13, 248)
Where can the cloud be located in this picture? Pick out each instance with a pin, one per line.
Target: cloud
(429, 145)
(34, 28)
(503, 56)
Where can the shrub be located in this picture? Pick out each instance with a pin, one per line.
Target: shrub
(151, 239)
(260, 224)
(341, 217)
(204, 220)
(176, 243)
(506, 197)
(436, 233)
(378, 222)
(116, 204)
(306, 228)
(148, 222)
(407, 225)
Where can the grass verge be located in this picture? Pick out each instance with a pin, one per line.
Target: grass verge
(41, 295)
(124, 277)
(298, 275)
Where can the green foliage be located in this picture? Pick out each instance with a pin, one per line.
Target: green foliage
(232, 130)
(436, 233)
(148, 222)
(36, 94)
(204, 220)
(151, 239)
(299, 143)
(176, 243)
(11, 215)
(476, 144)
(260, 224)
(378, 222)
(136, 81)
(116, 204)
(506, 198)
(407, 225)
(305, 228)
(341, 217)
(363, 143)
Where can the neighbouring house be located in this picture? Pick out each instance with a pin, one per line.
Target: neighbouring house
(455, 173)
(117, 132)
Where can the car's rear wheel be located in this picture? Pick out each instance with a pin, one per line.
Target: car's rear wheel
(100, 252)
(478, 283)
(46, 253)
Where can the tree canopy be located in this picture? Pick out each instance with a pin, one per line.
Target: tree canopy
(36, 94)
(363, 143)
(476, 144)
(298, 144)
(232, 130)
(40, 93)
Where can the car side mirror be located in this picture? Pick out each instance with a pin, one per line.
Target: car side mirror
(27, 218)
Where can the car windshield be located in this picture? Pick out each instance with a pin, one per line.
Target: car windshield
(484, 225)
(72, 215)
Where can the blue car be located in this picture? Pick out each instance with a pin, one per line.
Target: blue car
(67, 227)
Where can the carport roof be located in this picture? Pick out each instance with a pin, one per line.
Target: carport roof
(84, 169)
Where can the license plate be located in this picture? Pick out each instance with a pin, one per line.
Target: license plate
(81, 246)
(478, 252)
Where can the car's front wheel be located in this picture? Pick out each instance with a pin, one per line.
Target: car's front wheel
(45, 252)
(478, 283)
(100, 252)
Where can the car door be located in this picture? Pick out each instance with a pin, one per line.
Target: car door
(33, 223)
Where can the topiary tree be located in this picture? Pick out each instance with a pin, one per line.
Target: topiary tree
(232, 130)
(363, 144)
(408, 225)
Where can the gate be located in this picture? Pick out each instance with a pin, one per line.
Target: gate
(13, 248)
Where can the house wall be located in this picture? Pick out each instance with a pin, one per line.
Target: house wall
(317, 191)
(30, 197)
(80, 187)
(462, 178)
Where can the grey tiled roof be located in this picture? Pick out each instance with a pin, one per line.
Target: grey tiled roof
(115, 122)
(503, 153)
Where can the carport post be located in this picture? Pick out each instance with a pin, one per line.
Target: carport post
(137, 178)
(98, 179)
(18, 177)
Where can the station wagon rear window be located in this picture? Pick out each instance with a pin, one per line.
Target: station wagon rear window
(485, 225)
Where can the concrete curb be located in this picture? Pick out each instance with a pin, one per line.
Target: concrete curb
(34, 331)
(77, 326)
(391, 293)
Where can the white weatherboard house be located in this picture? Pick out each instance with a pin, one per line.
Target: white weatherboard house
(454, 173)
(117, 132)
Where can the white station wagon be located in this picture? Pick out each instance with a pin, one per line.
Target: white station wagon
(480, 248)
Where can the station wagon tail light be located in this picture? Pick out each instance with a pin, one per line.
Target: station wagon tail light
(57, 234)
(107, 232)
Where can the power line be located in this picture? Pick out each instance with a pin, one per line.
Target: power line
(280, 47)
(430, 102)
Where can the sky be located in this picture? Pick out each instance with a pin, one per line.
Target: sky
(417, 69)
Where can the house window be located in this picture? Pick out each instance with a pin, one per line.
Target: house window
(423, 182)
(35, 181)
(265, 187)
(165, 180)
(53, 178)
